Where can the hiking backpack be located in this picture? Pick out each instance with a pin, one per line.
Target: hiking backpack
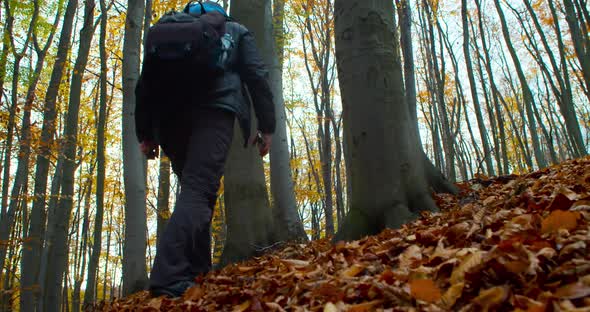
(184, 54)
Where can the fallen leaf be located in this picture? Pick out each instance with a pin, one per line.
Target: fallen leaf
(425, 290)
(452, 295)
(353, 271)
(411, 254)
(246, 269)
(365, 306)
(573, 291)
(559, 219)
(295, 263)
(492, 297)
(243, 307)
(330, 307)
(472, 260)
(193, 294)
(275, 306)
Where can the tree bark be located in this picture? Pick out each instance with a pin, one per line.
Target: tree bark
(580, 39)
(388, 188)
(90, 292)
(287, 224)
(58, 245)
(134, 249)
(249, 217)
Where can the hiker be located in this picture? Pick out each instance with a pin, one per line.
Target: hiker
(190, 115)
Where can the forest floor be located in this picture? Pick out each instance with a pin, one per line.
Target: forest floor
(511, 243)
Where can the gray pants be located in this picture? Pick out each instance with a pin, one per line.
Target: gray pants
(198, 157)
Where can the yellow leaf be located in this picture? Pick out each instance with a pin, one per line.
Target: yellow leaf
(425, 290)
(452, 294)
(353, 271)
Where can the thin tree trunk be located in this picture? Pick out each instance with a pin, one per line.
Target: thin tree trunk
(89, 293)
(287, 224)
(580, 39)
(495, 93)
(34, 243)
(526, 91)
(58, 248)
(134, 251)
(474, 96)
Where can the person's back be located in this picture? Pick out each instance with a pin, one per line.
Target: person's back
(196, 136)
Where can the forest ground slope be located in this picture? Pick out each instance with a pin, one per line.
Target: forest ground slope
(503, 244)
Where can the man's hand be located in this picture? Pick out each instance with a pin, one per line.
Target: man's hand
(149, 149)
(264, 141)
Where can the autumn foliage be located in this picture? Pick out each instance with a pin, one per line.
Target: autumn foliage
(511, 243)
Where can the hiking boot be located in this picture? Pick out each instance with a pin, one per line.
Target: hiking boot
(173, 291)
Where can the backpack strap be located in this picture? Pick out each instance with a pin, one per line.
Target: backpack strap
(187, 7)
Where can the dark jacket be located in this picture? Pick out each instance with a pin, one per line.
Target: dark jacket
(228, 92)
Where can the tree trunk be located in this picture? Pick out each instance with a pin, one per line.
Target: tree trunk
(31, 244)
(580, 39)
(89, 294)
(249, 217)
(287, 224)
(134, 251)
(565, 98)
(34, 244)
(526, 91)
(388, 188)
(475, 97)
(495, 93)
(57, 245)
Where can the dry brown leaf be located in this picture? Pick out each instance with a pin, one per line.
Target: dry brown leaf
(243, 307)
(558, 220)
(411, 254)
(452, 295)
(365, 306)
(193, 294)
(155, 303)
(425, 290)
(492, 297)
(472, 260)
(274, 306)
(353, 271)
(246, 269)
(295, 263)
(573, 291)
(330, 307)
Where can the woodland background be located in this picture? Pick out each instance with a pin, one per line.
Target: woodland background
(500, 86)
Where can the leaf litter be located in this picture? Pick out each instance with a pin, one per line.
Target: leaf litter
(510, 243)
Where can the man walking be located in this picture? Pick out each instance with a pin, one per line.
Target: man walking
(197, 137)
